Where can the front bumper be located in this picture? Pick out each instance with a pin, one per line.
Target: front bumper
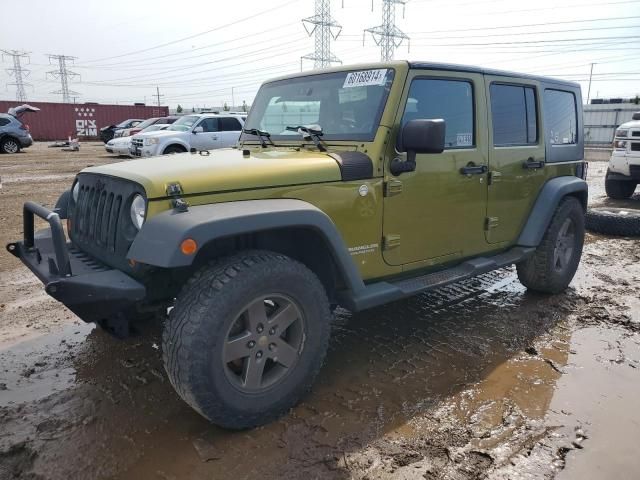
(90, 289)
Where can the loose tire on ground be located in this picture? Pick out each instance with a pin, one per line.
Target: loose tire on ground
(552, 267)
(234, 313)
(9, 145)
(619, 189)
(614, 221)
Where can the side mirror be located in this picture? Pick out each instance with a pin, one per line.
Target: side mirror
(419, 136)
(198, 130)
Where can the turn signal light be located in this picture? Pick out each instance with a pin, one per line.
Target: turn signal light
(188, 246)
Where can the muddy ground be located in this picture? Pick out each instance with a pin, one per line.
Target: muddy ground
(478, 380)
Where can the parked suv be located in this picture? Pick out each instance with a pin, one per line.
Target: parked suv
(108, 132)
(352, 186)
(14, 135)
(623, 174)
(202, 132)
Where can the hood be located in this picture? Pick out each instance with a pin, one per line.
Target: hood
(159, 133)
(631, 124)
(21, 110)
(225, 170)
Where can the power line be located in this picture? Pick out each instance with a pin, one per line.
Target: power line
(387, 36)
(18, 72)
(63, 73)
(324, 28)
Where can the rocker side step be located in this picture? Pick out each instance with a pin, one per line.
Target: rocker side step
(465, 270)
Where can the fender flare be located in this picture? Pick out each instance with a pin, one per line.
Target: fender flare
(548, 200)
(159, 239)
(62, 205)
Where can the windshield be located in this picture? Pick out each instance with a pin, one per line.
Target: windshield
(345, 105)
(146, 123)
(155, 127)
(184, 123)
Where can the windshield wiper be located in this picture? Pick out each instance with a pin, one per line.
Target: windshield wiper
(261, 134)
(312, 133)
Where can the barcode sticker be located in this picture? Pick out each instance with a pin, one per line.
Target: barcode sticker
(365, 78)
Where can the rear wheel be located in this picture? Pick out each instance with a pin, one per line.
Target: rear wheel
(246, 338)
(552, 267)
(9, 145)
(619, 189)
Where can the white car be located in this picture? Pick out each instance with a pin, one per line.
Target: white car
(202, 132)
(121, 146)
(623, 174)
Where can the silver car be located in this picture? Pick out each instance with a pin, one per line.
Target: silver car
(14, 135)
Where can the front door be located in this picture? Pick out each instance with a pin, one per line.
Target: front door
(208, 139)
(436, 214)
(516, 155)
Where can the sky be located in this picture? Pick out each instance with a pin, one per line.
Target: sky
(205, 53)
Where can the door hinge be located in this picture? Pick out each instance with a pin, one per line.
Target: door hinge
(494, 177)
(491, 222)
(390, 241)
(392, 187)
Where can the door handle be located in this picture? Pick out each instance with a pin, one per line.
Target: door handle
(531, 163)
(214, 137)
(473, 169)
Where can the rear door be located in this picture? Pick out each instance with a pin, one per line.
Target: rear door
(230, 129)
(516, 155)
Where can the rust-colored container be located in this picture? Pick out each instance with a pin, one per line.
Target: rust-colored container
(58, 121)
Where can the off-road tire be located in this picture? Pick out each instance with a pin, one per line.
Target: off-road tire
(171, 149)
(196, 331)
(9, 145)
(614, 221)
(538, 272)
(619, 189)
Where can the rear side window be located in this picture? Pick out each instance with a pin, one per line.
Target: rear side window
(560, 117)
(514, 115)
(451, 100)
(229, 124)
(4, 121)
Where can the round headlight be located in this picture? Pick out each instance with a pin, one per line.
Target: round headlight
(75, 192)
(138, 208)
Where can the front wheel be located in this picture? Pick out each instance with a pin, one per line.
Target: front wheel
(555, 261)
(246, 338)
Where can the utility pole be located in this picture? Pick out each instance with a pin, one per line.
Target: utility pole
(157, 95)
(324, 28)
(233, 98)
(387, 36)
(18, 72)
(589, 89)
(63, 73)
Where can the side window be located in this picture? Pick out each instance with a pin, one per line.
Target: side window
(209, 125)
(4, 121)
(513, 114)
(560, 117)
(451, 100)
(229, 124)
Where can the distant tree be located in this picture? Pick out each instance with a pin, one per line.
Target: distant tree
(226, 107)
(193, 109)
(637, 100)
(179, 109)
(245, 108)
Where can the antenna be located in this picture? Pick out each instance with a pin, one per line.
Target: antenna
(324, 28)
(388, 36)
(63, 74)
(18, 72)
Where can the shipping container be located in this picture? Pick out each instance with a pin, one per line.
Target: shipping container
(59, 121)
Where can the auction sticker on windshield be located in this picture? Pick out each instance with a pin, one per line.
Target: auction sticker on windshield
(365, 78)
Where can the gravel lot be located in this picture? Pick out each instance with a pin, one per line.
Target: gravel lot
(477, 380)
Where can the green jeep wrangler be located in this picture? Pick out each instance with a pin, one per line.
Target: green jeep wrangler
(352, 186)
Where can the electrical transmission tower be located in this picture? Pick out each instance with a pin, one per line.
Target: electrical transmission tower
(388, 36)
(324, 28)
(63, 74)
(18, 72)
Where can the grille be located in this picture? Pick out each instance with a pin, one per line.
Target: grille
(138, 141)
(635, 133)
(136, 144)
(97, 214)
(635, 147)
